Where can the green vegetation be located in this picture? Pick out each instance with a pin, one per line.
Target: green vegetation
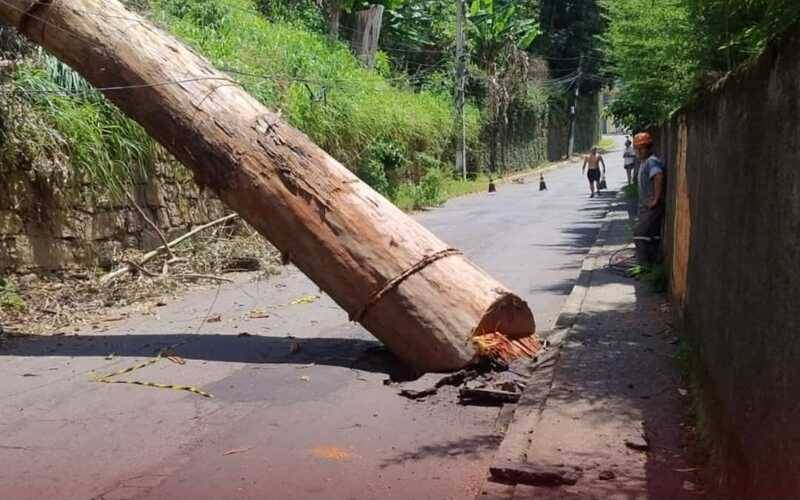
(728, 32)
(631, 191)
(318, 86)
(10, 299)
(353, 113)
(392, 125)
(649, 44)
(663, 52)
(606, 144)
(656, 276)
(104, 147)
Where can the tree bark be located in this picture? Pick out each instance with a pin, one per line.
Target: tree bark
(425, 301)
(367, 33)
(334, 19)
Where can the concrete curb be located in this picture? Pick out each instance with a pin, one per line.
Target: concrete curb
(517, 440)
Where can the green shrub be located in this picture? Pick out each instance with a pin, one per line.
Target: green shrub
(383, 166)
(374, 173)
(656, 276)
(203, 13)
(390, 154)
(631, 191)
(425, 162)
(302, 13)
(10, 299)
(430, 192)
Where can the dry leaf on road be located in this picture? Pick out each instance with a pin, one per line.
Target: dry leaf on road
(306, 299)
(258, 314)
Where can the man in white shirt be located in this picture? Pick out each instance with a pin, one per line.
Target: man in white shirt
(629, 160)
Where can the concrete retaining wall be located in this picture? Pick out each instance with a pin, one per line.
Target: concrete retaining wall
(733, 245)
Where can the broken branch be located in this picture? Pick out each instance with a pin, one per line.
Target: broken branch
(130, 266)
(151, 224)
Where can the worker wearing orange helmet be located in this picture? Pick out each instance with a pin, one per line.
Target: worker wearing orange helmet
(652, 183)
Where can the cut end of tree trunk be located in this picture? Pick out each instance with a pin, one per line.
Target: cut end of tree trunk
(509, 315)
(507, 331)
(499, 347)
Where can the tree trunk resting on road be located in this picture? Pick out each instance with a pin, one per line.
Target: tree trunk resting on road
(423, 299)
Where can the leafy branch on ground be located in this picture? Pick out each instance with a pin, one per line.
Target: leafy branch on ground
(656, 276)
(631, 192)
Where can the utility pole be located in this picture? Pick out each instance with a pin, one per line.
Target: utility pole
(461, 84)
(574, 110)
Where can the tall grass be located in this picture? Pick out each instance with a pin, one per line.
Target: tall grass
(318, 85)
(107, 150)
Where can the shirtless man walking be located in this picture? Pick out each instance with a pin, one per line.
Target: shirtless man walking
(593, 161)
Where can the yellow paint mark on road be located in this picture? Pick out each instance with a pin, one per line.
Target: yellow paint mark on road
(332, 453)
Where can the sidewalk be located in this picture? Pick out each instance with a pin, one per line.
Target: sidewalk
(602, 418)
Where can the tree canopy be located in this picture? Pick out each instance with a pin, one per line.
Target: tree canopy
(661, 52)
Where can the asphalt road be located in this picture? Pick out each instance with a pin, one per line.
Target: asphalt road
(300, 408)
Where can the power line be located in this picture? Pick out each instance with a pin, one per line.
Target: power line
(123, 87)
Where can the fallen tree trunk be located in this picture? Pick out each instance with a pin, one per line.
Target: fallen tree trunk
(424, 300)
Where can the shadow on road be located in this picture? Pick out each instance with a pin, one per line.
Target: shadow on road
(366, 355)
(473, 446)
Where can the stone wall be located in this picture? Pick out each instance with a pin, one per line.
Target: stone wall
(47, 225)
(733, 245)
(587, 126)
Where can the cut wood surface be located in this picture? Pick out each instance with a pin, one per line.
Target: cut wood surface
(342, 234)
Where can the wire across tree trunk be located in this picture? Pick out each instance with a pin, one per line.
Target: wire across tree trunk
(424, 300)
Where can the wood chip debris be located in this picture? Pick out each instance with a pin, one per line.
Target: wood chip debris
(497, 346)
(487, 397)
(258, 313)
(488, 384)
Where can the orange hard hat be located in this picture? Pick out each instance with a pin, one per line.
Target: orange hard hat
(643, 139)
